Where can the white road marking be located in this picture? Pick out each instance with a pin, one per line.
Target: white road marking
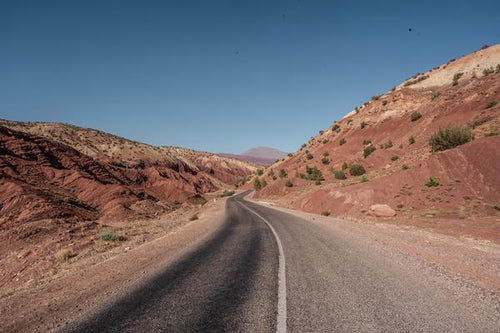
(281, 318)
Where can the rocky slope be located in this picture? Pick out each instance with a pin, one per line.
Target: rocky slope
(63, 171)
(396, 127)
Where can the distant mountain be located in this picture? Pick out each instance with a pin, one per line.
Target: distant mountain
(259, 155)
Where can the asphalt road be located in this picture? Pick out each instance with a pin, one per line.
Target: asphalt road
(326, 280)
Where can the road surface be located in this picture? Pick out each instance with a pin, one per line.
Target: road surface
(265, 270)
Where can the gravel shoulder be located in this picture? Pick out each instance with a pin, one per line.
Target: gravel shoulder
(72, 293)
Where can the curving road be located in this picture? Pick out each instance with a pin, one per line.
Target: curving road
(325, 280)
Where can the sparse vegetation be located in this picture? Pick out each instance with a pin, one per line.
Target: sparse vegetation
(435, 95)
(325, 213)
(384, 102)
(450, 137)
(415, 116)
(289, 154)
(313, 173)
(432, 182)
(336, 128)
(325, 160)
(491, 133)
(342, 142)
(270, 173)
(288, 183)
(111, 236)
(457, 77)
(374, 98)
(283, 173)
(309, 156)
(394, 158)
(64, 255)
(368, 150)
(411, 140)
(405, 167)
(363, 124)
(194, 217)
(388, 144)
(227, 193)
(345, 166)
(363, 179)
(417, 80)
(366, 142)
(356, 169)
(492, 104)
(260, 172)
(257, 185)
(498, 69)
(339, 174)
(488, 71)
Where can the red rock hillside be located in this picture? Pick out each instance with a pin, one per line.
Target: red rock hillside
(393, 131)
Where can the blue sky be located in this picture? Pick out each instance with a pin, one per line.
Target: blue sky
(222, 76)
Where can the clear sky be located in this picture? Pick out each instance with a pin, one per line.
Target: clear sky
(222, 76)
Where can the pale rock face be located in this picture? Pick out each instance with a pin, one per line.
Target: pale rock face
(382, 210)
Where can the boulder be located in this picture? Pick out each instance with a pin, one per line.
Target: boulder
(382, 210)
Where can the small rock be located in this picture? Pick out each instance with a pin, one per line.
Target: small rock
(382, 210)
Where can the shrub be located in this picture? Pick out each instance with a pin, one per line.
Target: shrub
(227, 193)
(325, 141)
(363, 124)
(394, 158)
(309, 156)
(457, 77)
(450, 137)
(356, 170)
(388, 144)
(366, 142)
(405, 167)
(342, 142)
(401, 146)
(345, 166)
(321, 132)
(325, 160)
(313, 173)
(417, 80)
(64, 255)
(399, 206)
(112, 236)
(498, 69)
(415, 116)
(435, 95)
(288, 183)
(363, 179)
(289, 154)
(194, 217)
(318, 182)
(303, 146)
(283, 173)
(488, 71)
(339, 174)
(336, 128)
(384, 102)
(368, 150)
(411, 140)
(492, 104)
(325, 213)
(257, 185)
(270, 173)
(326, 153)
(260, 172)
(263, 183)
(492, 133)
(374, 98)
(432, 182)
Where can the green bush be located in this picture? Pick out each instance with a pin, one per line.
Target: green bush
(411, 140)
(435, 95)
(270, 173)
(394, 158)
(488, 71)
(405, 167)
(388, 144)
(283, 173)
(325, 160)
(339, 174)
(111, 236)
(313, 173)
(415, 116)
(366, 142)
(368, 150)
(363, 179)
(345, 166)
(432, 182)
(342, 142)
(257, 184)
(384, 102)
(227, 193)
(260, 172)
(336, 128)
(457, 77)
(288, 183)
(356, 169)
(309, 156)
(450, 137)
(492, 104)
(491, 133)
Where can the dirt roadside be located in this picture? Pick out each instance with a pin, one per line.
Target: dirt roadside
(72, 293)
(475, 260)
